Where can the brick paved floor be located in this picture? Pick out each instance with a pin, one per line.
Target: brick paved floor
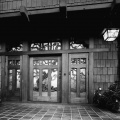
(35, 111)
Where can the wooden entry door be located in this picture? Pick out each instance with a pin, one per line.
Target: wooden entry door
(45, 79)
(78, 69)
(13, 78)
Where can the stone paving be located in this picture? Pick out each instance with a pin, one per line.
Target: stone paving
(35, 111)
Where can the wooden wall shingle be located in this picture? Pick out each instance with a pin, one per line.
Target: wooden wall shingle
(14, 5)
(105, 64)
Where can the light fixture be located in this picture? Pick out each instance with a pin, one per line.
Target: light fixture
(110, 34)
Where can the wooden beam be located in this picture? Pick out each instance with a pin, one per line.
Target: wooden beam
(54, 9)
(24, 12)
(55, 52)
(31, 12)
(88, 7)
(117, 1)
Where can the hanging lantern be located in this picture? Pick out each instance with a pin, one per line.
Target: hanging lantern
(110, 34)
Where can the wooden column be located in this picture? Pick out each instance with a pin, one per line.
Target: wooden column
(3, 89)
(65, 75)
(91, 62)
(65, 78)
(25, 73)
(25, 77)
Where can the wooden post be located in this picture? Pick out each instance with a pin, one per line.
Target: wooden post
(65, 72)
(25, 76)
(3, 90)
(65, 78)
(91, 63)
(3, 73)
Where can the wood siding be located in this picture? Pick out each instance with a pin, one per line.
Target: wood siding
(105, 65)
(7, 6)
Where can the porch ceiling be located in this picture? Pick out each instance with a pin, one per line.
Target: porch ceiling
(84, 23)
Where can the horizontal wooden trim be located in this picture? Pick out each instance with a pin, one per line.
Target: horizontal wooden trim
(53, 52)
(53, 9)
(13, 67)
(30, 12)
(13, 14)
(89, 6)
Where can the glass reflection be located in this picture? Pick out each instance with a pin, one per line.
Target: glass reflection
(36, 79)
(18, 78)
(82, 80)
(45, 82)
(73, 81)
(54, 80)
(45, 62)
(54, 74)
(10, 80)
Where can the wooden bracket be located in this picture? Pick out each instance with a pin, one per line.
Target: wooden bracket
(24, 12)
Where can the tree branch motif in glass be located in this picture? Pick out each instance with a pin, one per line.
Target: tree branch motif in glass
(14, 62)
(46, 46)
(45, 62)
(14, 48)
(77, 45)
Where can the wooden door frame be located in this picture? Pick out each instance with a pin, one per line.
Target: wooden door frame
(58, 76)
(87, 74)
(12, 68)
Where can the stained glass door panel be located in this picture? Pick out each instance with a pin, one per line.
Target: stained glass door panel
(78, 66)
(45, 79)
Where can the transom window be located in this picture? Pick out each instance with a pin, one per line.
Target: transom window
(77, 44)
(14, 47)
(78, 60)
(45, 46)
(13, 62)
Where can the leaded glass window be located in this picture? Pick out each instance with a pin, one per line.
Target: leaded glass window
(15, 47)
(45, 62)
(77, 44)
(45, 46)
(13, 62)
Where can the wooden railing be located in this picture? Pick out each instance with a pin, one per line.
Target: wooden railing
(8, 6)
